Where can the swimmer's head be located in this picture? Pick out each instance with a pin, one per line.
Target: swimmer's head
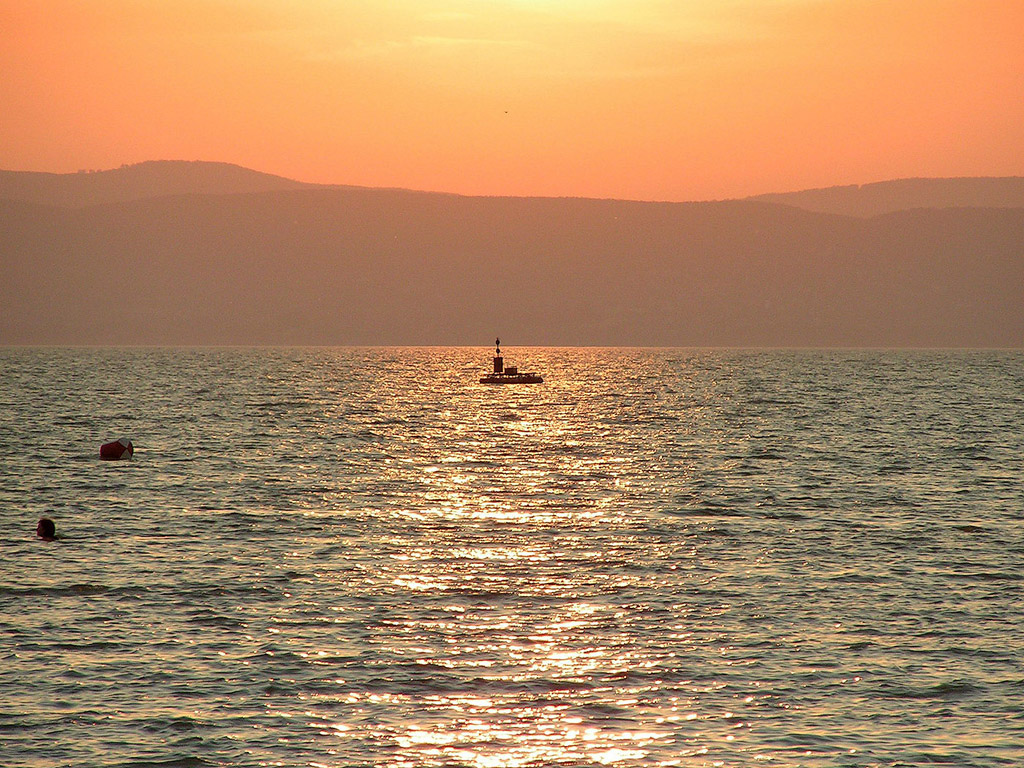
(46, 530)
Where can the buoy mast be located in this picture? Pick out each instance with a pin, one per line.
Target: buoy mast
(499, 361)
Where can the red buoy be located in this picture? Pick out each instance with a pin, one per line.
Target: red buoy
(119, 449)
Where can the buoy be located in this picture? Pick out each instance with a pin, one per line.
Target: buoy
(119, 449)
(46, 530)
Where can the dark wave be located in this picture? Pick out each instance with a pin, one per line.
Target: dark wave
(173, 762)
(947, 691)
(78, 590)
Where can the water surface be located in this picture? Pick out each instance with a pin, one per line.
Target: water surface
(338, 557)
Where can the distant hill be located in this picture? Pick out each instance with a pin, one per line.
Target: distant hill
(905, 194)
(358, 266)
(135, 182)
(160, 178)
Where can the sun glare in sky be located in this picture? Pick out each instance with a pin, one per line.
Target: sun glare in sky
(647, 99)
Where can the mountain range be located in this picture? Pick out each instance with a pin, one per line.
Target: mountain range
(211, 253)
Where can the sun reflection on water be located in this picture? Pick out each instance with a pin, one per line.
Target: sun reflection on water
(506, 612)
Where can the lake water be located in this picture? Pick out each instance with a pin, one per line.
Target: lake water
(364, 557)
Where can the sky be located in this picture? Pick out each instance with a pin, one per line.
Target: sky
(637, 99)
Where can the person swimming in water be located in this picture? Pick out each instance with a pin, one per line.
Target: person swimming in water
(46, 530)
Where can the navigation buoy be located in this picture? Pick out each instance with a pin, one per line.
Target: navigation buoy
(119, 449)
(508, 374)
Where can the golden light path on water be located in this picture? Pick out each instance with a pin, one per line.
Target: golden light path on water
(512, 483)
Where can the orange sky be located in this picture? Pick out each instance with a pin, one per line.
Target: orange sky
(645, 99)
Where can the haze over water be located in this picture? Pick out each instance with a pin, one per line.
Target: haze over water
(337, 557)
